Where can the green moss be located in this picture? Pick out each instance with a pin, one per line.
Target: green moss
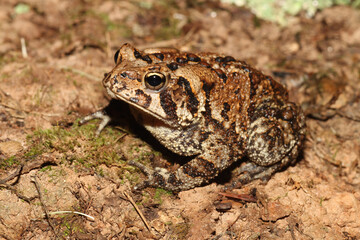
(77, 145)
(9, 162)
(70, 226)
(45, 169)
(130, 175)
(159, 193)
(100, 171)
(79, 148)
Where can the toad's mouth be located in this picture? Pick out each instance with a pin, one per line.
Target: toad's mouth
(140, 108)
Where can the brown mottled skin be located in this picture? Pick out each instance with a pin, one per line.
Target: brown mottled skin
(212, 107)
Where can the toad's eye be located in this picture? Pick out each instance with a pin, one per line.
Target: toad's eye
(154, 81)
(116, 56)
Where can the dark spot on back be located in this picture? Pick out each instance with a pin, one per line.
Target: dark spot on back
(159, 56)
(192, 57)
(173, 66)
(205, 64)
(137, 54)
(181, 60)
(147, 59)
(229, 59)
(219, 59)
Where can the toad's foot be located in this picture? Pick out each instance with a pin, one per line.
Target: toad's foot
(151, 175)
(101, 114)
(249, 172)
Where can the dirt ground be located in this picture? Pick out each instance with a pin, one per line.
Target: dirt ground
(53, 55)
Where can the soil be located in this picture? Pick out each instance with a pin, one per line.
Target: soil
(53, 55)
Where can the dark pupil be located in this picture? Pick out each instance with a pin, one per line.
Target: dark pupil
(116, 56)
(154, 80)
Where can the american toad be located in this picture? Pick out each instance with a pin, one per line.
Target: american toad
(212, 107)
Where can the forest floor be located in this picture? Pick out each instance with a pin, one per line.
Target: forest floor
(48, 163)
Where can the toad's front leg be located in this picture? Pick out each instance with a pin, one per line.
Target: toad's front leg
(196, 172)
(102, 115)
(192, 174)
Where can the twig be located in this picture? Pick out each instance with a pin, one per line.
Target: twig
(34, 163)
(108, 44)
(33, 179)
(23, 169)
(138, 211)
(120, 137)
(120, 234)
(23, 48)
(12, 176)
(81, 73)
(344, 115)
(28, 111)
(75, 212)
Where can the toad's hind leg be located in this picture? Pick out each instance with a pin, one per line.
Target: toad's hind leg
(251, 171)
(274, 140)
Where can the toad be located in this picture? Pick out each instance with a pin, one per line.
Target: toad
(215, 108)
